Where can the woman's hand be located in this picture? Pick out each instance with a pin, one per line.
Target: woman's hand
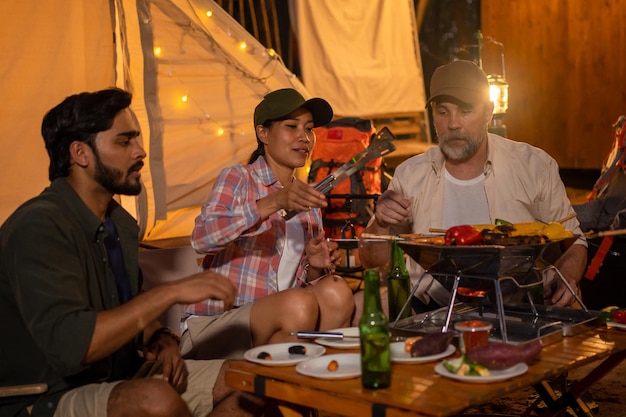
(300, 196)
(297, 196)
(322, 253)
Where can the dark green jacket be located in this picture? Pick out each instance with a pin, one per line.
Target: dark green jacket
(54, 278)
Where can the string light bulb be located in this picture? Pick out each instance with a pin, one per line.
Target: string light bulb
(183, 103)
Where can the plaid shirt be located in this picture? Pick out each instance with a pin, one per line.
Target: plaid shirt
(236, 244)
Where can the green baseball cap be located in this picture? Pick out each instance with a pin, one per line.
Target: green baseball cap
(461, 80)
(282, 102)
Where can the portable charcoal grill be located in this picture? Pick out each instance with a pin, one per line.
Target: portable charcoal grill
(492, 273)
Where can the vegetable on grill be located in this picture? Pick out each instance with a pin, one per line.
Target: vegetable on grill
(462, 235)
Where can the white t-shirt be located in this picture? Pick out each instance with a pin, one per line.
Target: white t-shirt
(464, 201)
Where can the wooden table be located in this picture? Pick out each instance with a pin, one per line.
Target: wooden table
(417, 390)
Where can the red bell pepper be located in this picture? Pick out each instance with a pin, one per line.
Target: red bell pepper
(463, 235)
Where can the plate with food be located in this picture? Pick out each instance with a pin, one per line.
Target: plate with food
(462, 370)
(337, 366)
(350, 339)
(425, 348)
(283, 354)
(399, 354)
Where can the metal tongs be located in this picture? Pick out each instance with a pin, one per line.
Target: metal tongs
(380, 145)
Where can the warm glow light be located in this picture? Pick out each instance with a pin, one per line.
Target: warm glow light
(157, 51)
(220, 132)
(184, 98)
(271, 52)
(243, 45)
(209, 13)
(498, 93)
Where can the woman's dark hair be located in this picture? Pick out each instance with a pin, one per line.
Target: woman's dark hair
(79, 117)
(260, 149)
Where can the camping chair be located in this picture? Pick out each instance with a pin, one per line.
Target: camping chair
(21, 390)
(16, 395)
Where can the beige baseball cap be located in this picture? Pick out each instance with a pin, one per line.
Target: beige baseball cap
(461, 80)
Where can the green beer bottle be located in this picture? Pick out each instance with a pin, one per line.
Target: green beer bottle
(398, 283)
(374, 336)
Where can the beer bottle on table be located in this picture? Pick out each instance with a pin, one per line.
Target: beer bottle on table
(398, 284)
(374, 336)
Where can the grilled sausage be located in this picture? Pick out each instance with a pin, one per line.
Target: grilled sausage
(431, 344)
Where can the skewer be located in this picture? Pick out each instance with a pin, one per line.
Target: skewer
(416, 238)
(379, 237)
(566, 218)
(617, 232)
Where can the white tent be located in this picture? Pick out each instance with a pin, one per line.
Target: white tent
(195, 74)
(363, 55)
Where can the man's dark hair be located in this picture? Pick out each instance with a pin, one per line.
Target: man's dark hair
(79, 117)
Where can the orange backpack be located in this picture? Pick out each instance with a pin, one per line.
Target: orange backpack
(351, 202)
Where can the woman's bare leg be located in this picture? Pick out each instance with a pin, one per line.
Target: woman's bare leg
(272, 318)
(335, 300)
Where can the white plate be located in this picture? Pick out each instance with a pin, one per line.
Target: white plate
(399, 355)
(280, 354)
(493, 376)
(350, 339)
(349, 366)
(616, 324)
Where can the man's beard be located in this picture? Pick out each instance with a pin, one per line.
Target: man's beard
(459, 153)
(111, 178)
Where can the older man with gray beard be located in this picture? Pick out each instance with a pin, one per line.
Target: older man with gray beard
(472, 177)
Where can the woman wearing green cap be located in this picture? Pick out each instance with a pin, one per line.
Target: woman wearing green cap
(281, 266)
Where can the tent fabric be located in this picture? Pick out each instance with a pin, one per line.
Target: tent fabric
(361, 55)
(201, 56)
(200, 77)
(49, 51)
(195, 74)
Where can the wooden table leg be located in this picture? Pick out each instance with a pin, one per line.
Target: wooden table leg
(572, 398)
